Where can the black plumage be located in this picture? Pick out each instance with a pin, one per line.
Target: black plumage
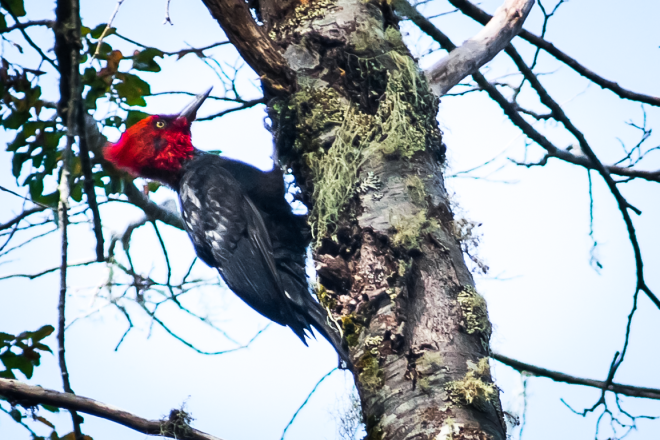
(240, 223)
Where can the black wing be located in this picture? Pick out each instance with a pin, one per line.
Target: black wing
(228, 233)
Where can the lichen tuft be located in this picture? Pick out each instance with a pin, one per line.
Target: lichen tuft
(475, 312)
(336, 135)
(411, 229)
(472, 389)
(371, 375)
(351, 330)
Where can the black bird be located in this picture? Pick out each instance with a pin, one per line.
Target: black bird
(237, 218)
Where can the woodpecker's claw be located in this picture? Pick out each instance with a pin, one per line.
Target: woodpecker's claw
(190, 111)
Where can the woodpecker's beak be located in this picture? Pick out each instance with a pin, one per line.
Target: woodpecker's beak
(190, 111)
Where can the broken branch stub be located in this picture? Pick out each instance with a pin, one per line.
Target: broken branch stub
(493, 38)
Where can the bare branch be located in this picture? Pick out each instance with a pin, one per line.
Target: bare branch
(482, 17)
(20, 217)
(246, 105)
(481, 48)
(151, 209)
(511, 110)
(627, 390)
(174, 427)
(181, 53)
(44, 272)
(253, 44)
(27, 24)
(309, 396)
(20, 27)
(624, 206)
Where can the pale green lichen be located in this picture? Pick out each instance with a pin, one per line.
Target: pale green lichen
(472, 389)
(416, 189)
(324, 297)
(371, 375)
(475, 312)
(428, 366)
(402, 125)
(307, 10)
(372, 344)
(409, 230)
(351, 330)
(429, 362)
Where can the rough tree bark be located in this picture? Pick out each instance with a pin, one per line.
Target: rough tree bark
(360, 135)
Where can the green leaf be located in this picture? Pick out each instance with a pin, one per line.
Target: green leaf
(31, 127)
(49, 199)
(12, 361)
(76, 191)
(16, 119)
(7, 374)
(132, 89)
(145, 60)
(17, 163)
(153, 186)
(16, 415)
(135, 116)
(98, 30)
(51, 139)
(50, 408)
(113, 121)
(15, 6)
(42, 347)
(43, 332)
(84, 31)
(3, 22)
(104, 51)
(36, 187)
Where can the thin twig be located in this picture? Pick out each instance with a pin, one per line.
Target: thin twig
(7, 190)
(107, 29)
(309, 396)
(44, 272)
(20, 27)
(167, 14)
(180, 52)
(21, 216)
(248, 104)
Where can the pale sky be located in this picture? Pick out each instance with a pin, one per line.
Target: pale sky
(547, 305)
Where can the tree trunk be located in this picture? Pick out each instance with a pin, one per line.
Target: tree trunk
(360, 136)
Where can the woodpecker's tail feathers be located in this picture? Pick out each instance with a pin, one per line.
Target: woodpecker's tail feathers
(321, 322)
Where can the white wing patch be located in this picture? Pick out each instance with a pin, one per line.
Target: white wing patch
(189, 196)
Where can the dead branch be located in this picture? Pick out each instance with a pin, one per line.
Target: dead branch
(20, 217)
(253, 44)
(245, 105)
(27, 24)
(176, 426)
(481, 48)
(482, 17)
(628, 390)
(18, 25)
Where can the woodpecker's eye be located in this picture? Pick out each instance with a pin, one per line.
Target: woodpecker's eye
(160, 124)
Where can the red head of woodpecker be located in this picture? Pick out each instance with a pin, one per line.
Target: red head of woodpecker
(235, 215)
(157, 146)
